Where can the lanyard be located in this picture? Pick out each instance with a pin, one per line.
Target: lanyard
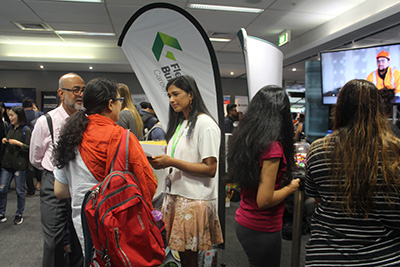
(176, 139)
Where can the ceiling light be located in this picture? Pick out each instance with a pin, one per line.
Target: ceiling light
(80, 1)
(232, 73)
(41, 66)
(85, 33)
(32, 26)
(90, 67)
(58, 44)
(222, 40)
(226, 8)
(294, 69)
(69, 56)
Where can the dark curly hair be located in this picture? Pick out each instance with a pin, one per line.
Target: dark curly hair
(96, 97)
(267, 119)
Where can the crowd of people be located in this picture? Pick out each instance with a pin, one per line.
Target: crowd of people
(352, 173)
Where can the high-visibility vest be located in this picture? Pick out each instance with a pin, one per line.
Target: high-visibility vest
(392, 79)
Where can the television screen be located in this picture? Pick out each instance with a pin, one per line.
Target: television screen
(339, 67)
(13, 96)
(10, 105)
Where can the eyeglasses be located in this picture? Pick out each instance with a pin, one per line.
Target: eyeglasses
(120, 99)
(76, 91)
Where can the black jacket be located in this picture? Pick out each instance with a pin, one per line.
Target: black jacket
(2, 135)
(16, 157)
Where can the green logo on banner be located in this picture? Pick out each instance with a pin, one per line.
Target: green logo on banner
(162, 40)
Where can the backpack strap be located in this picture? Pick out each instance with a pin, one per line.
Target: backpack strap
(89, 252)
(120, 161)
(23, 131)
(50, 124)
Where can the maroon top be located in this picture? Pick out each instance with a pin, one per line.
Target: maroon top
(249, 214)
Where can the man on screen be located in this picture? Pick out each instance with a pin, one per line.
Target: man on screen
(385, 77)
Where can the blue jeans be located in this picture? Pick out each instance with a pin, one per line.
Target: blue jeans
(5, 179)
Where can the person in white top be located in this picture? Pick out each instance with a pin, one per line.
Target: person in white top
(189, 208)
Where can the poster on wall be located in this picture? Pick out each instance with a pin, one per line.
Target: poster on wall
(49, 101)
(242, 103)
(227, 100)
(139, 98)
(263, 60)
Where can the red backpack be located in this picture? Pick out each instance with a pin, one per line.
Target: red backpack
(118, 225)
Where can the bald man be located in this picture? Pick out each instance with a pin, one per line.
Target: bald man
(55, 213)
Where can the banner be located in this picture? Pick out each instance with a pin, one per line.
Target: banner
(264, 62)
(163, 41)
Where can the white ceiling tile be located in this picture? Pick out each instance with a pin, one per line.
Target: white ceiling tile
(327, 7)
(271, 23)
(290, 20)
(120, 15)
(141, 3)
(240, 3)
(16, 10)
(112, 15)
(217, 21)
(71, 12)
(7, 26)
(104, 28)
(98, 41)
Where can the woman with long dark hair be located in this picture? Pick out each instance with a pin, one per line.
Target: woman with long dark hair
(189, 208)
(15, 162)
(260, 153)
(354, 174)
(87, 145)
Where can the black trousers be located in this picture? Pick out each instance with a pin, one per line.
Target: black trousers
(262, 249)
(32, 173)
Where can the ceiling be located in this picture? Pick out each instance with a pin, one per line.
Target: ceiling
(315, 25)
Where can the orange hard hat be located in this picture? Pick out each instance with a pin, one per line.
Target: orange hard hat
(383, 54)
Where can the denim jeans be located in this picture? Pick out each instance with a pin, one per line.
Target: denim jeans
(19, 179)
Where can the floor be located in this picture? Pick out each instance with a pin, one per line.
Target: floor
(21, 245)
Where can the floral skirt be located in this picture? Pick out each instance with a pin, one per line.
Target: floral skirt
(191, 224)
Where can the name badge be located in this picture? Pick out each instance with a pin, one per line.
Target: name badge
(168, 182)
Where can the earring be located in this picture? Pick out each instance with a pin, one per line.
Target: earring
(190, 105)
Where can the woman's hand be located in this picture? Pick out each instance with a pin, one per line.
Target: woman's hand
(294, 185)
(15, 142)
(4, 140)
(160, 162)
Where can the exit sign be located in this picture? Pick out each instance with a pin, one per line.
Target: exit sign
(284, 38)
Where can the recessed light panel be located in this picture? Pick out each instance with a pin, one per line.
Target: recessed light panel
(80, 1)
(226, 8)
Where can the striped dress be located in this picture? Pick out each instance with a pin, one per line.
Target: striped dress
(339, 240)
